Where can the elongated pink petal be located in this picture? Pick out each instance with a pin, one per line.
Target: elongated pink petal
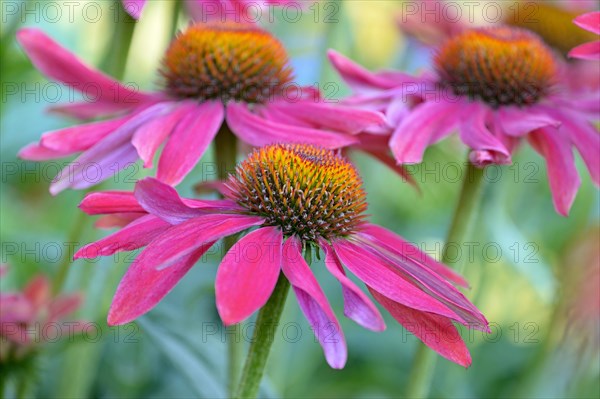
(107, 157)
(162, 200)
(63, 306)
(37, 152)
(516, 122)
(437, 332)
(134, 7)
(357, 306)
(589, 21)
(81, 137)
(416, 131)
(106, 202)
(258, 131)
(38, 292)
(337, 117)
(377, 273)
(475, 134)
(91, 110)
(143, 286)
(562, 173)
(586, 51)
(392, 240)
(383, 155)
(314, 304)
(189, 141)
(137, 234)
(360, 79)
(248, 274)
(149, 137)
(59, 64)
(184, 238)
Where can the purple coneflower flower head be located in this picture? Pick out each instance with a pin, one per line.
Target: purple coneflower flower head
(591, 50)
(215, 75)
(496, 87)
(284, 199)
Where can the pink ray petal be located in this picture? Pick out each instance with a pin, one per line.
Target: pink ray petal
(38, 292)
(189, 141)
(37, 152)
(475, 134)
(162, 200)
(106, 202)
(377, 273)
(248, 273)
(589, 21)
(314, 304)
(357, 306)
(137, 234)
(143, 286)
(91, 110)
(562, 173)
(63, 306)
(586, 51)
(517, 122)
(437, 332)
(258, 131)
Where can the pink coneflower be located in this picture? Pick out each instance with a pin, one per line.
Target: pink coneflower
(495, 86)
(298, 197)
(230, 76)
(29, 316)
(588, 51)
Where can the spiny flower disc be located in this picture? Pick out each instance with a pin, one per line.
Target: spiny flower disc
(305, 190)
(554, 25)
(226, 61)
(501, 66)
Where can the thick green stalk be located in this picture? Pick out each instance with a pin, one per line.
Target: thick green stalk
(115, 59)
(262, 340)
(419, 382)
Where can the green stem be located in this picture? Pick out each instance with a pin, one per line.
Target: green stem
(74, 235)
(419, 382)
(262, 340)
(115, 60)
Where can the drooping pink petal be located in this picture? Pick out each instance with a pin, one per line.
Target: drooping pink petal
(189, 141)
(383, 155)
(186, 237)
(562, 173)
(437, 332)
(149, 137)
(136, 234)
(36, 152)
(63, 306)
(38, 292)
(586, 51)
(357, 306)
(517, 122)
(589, 21)
(415, 132)
(143, 286)
(248, 273)
(162, 200)
(107, 157)
(107, 202)
(258, 131)
(90, 110)
(314, 304)
(59, 64)
(134, 7)
(377, 273)
(476, 135)
(351, 120)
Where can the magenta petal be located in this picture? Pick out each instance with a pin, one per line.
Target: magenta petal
(106, 202)
(587, 51)
(359, 78)
(562, 173)
(134, 7)
(81, 137)
(589, 21)
(88, 110)
(475, 134)
(258, 131)
(248, 274)
(420, 128)
(149, 137)
(162, 200)
(357, 306)
(184, 238)
(437, 332)
(189, 141)
(516, 122)
(136, 234)
(143, 286)
(314, 304)
(37, 152)
(59, 64)
(377, 273)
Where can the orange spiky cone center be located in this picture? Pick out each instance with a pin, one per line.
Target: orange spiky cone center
(305, 190)
(226, 61)
(500, 66)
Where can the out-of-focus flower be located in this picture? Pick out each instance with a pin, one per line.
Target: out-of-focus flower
(233, 76)
(221, 10)
(299, 197)
(496, 86)
(28, 317)
(588, 51)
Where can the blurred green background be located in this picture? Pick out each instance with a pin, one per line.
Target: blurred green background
(526, 266)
